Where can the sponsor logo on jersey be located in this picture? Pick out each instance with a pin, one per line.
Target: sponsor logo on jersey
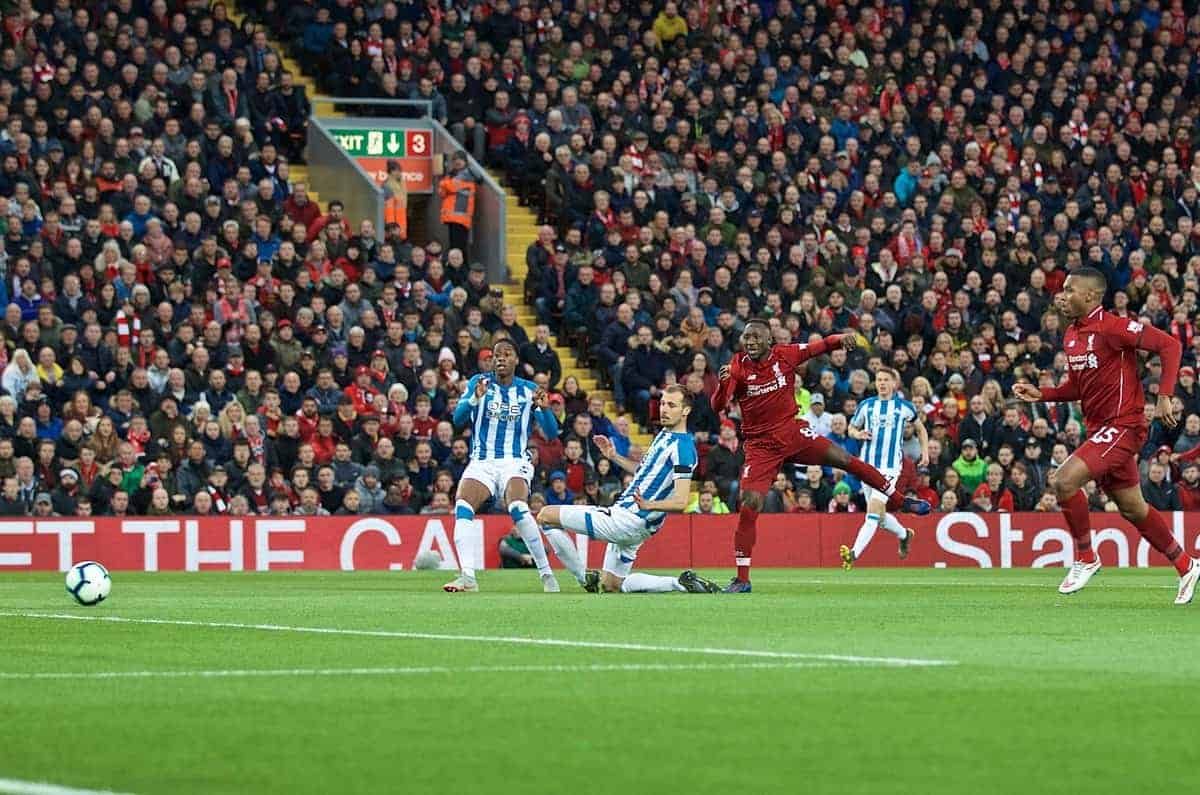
(504, 411)
(1083, 361)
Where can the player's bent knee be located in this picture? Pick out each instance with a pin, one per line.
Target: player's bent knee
(1064, 489)
(1134, 513)
(518, 510)
(548, 516)
(752, 500)
(610, 583)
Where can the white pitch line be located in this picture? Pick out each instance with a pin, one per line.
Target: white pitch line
(430, 670)
(900, 662)
(12, 786)
(851, 580)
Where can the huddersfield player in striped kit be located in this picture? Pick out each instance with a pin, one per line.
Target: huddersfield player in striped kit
(501, 410)
(880, 422)
(661, 484)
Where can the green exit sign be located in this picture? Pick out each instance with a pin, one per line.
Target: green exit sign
(371, 143)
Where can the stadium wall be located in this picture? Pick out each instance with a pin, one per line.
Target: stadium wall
(394, 542)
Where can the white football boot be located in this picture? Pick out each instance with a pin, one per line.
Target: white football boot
(1078, 576)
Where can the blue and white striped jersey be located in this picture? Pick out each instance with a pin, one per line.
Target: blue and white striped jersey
(503, 419)
(670, 457)
(885, 419)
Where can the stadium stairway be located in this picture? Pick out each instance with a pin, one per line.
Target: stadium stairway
(521, 229)
(522, 232)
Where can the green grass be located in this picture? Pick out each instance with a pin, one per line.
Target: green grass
(1094, 692)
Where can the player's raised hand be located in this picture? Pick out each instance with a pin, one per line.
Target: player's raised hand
(605, 445)
(1027, 392)
(541, 398)
(724, 372)
(1165, 411)
(481, 387)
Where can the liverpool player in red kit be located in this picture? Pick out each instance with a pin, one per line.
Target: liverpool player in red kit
(1102, 374)
(762, 380)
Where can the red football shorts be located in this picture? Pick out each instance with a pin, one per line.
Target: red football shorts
(766, 454)
(1111, 456)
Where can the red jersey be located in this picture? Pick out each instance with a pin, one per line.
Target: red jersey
(1102, 368)
(766, 389)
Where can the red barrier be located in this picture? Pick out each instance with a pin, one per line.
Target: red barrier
(358, 543)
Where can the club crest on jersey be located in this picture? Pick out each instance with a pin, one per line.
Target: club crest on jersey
(1091, 341)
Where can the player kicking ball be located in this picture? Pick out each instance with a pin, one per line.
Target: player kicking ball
(501, 410)
(1102, 375)
(880, 422)
(761, 379)
(661, 484)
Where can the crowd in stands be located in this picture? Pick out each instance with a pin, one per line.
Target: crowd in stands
(185, 330)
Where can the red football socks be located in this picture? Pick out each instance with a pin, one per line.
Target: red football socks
(1155, 530)
(743, 541)
(1079, 522)
(867, 474)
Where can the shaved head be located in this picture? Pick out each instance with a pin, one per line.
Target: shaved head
(1094, 278)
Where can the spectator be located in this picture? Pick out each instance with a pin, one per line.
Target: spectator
(969, 466)
(1159, 491)
(934, 220)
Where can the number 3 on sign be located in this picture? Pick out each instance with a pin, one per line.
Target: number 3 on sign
(418, 143)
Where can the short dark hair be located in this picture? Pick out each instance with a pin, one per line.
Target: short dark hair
(1097, 278)
(504, 341)
(758, 321)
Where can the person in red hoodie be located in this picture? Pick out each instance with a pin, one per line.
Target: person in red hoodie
(323, 441)
(362, 391)
(574, 465)
(1188, 487)
(307, 417)
(923, 489)
(423, 424)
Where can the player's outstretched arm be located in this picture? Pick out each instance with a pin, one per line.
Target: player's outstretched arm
(923, 438)
(544, 416)
(725, 389)
(1170, 351)
(609, 451)
(677, 502)
(1065, 392)
(464, 410)
(801, 353)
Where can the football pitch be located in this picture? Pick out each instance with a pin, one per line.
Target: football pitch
(884, 680)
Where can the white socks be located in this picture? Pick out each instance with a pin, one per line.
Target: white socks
(870, 525)
(650, 583)
(464, 516)
(866, 533)
(564, 547)
(528, 528)
(893, 526)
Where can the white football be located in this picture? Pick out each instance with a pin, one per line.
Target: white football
(88, 583)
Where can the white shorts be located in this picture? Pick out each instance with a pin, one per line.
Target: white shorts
(623, 529)
(495, 473)
(871, 494)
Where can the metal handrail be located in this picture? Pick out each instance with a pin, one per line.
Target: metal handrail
(425, 104)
